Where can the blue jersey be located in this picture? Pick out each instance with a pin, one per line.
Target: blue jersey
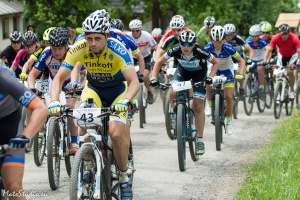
(126, 40)
(257, 48)
(224, 57)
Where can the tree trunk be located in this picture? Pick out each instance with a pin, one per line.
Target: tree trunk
(156, 13)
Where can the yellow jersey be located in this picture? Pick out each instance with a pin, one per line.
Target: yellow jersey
(104, 70)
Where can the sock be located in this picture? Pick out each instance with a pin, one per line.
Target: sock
(123, 177)
(74, 139)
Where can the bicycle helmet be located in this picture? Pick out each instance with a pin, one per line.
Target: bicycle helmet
(209, 22)
(117, 24)
(266, 27)
(177, 21)
(284, 28)
(187, 38)
(46, 33)
(58, 37)
(217, 33)
(229, 28)
(101, 13)
(95, 23)
(254, 30)
(156, 32)
(135, 24)
(29, 38)
(15, 36)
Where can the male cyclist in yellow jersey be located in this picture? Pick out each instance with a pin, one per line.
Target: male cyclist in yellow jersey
(105, 60)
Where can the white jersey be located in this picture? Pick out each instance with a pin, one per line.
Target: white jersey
(145, 43)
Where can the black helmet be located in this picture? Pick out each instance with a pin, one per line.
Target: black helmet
(117, 23)
(284, 28)
(58, 37)
(15, 36)
(29, 38)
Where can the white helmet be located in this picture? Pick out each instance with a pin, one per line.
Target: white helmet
(101, 13)
(96, 24)
(135, 24)
(209, 22)
(217, 33)
(229, 28)
(187, 37)
(177, 21)
(254, 30)
(156, 32)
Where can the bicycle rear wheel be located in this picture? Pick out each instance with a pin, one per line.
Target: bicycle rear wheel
(269, 93)
(248, 100)
(168, 121)
(39, 146)
(141, 106)
(181, 133)
(218, 122)
(53, 157)
(191, 139)
(277, 100)
(235, 101)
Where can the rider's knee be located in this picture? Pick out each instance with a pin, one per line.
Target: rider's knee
(13, 185)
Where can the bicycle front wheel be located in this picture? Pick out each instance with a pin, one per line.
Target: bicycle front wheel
(181, 133)
(277, 100)
(218, 122)
(39, 146)
(248, 100)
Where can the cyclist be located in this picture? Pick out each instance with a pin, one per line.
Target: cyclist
(31, 44)
(266, 29)
(256, 46)
(170, 39)
(34, 57)
(288, 46)
(106, 62)
(12, 92)
(203, 34)
(191, 61)
(234, 39)
(157, 34)
(224, 53)
(9, 53)
(49, 62)
(146, 44)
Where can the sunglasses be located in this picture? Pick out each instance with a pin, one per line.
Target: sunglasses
(177, 29)
(135, 30)
(186, 44)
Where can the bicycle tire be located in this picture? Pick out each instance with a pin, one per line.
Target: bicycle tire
(191, 140)
(39, 147)
(141, 107)
(269, 94)
(248, 99)
(168, 121)
(277, 102)
(84, 151)
(180, 130)
(218, 122)
(53, 140)
(235, 101)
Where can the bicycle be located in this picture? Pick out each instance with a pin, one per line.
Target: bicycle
(281, 94)
(252, 93)
(269, 83)
(185, 120)
(218, 109)
(95, 172)
(142, 99)
(59, 143)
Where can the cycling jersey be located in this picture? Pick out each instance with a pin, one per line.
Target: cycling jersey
(104, 70)
(169, 43)
(37, 53)
(20, 59)
(8, 53)
(80, 37)
(126, 40)
(266, 37)
(257, 49)
(224, 57)
(145, 43)
(288, 47)
(47, 63)
(12, 93)
(197, 62)
(237, 41)
(203, 37)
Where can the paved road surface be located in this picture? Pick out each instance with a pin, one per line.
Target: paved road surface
(216, 176)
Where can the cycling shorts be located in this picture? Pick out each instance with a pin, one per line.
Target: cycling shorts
(229, 74)
(147, 61)
(195, 76)
(106, 97)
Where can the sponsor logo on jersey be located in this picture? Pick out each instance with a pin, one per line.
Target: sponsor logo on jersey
(102, 65)
(119, 49)
(76, 48)
(26, 98)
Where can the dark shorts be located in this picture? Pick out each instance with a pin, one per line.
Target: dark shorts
(147, 61)
(195, 76)
(9, 126)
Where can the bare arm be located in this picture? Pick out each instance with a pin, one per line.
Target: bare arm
(61, 76)
(133, 82)
(214, 68)
(34, 73)
(75, 73)
(141, 60)
(37, 118)
(268, 54)
(242, 63)
(157, 66)
(28, 65)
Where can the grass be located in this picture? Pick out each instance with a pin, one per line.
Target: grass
(276, 173)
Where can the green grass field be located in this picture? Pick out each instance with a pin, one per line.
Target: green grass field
(276, 173)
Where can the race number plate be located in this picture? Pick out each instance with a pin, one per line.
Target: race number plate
(88, 115)
(42, 85)
(180, 86)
